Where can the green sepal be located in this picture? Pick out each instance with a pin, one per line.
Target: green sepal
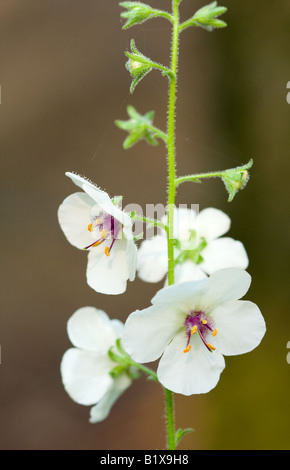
(137, 126)
(117, 371)
(206, 17)
(116, 200)
(180, 433)
(121, 349)
(116, 358)
(236, 179)
(193, 252)
(133, 373)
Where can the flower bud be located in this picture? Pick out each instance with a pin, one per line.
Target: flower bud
(236, 179)
(136, 68)
(136, 13)
(239, 184)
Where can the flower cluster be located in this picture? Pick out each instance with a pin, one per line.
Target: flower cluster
(197, 317)
(190, 325)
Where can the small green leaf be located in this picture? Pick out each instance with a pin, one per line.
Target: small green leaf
(180, 433)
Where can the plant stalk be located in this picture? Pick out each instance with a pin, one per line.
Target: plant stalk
(171, 444)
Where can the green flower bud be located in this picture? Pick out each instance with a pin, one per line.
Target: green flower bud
(236, 179)
(137, 69)
(206, 17)
(137, 13)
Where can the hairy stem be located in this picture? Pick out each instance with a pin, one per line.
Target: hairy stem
(171, 194)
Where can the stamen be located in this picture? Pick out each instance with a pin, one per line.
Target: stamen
(199, 322)
(103, 233)
(90, 227)
(107, 251)
(97, 243)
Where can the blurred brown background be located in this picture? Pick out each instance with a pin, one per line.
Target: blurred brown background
(63, 83)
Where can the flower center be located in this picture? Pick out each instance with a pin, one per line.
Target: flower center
(199, 322)
(104, 227)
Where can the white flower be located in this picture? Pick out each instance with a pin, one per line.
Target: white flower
(85, 369)
(192, 325)
(92, 222)
(199, 250)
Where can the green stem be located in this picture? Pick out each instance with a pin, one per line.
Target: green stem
(213, 174)
(197, 177)
(171, 444)
(171, 141)
(187, 24)
(163, 14)
(147, 371)
(157, 132)
(171, 194)
(154, 222)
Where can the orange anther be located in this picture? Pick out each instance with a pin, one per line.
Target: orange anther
(214, 332)
(90, 227)
(204, 322)
(193, 329)
(187, 349)
(210, 346)
(107, 251)
(103, 233)
(97, 243)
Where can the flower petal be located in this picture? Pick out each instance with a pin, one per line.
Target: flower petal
(100, 411)
(91, 329)
(188, 271)
(184, 222)
(152, 261)
(182, 297)
(196, 371)
(147, 332)
(85, 375)
(90, 188)
(131, 259)
(79, 180)
(118, 327)
(205, 294)
(224, 253)
(212, 223)
(223, 285)
(240, 326)
(109, 274)
(74, 216)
